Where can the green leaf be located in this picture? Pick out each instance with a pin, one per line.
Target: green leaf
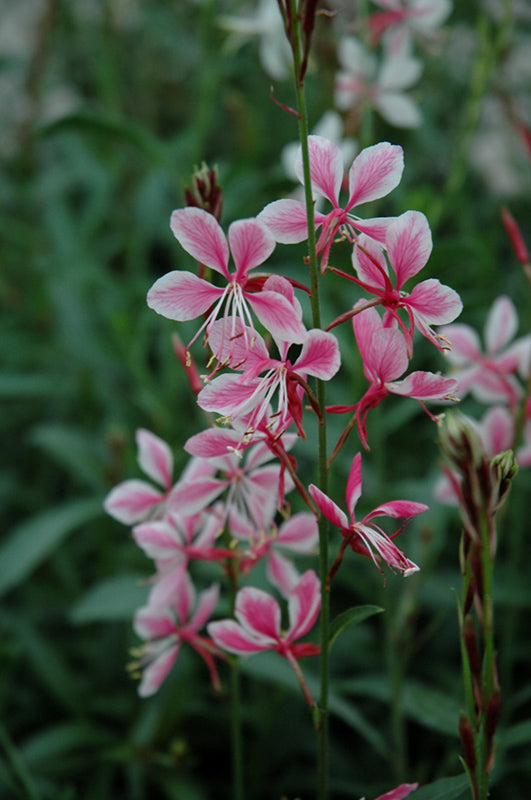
(516, 735)
(455, 788)
(350, 617)
(29, 544)
(115, 599)
(58, 740)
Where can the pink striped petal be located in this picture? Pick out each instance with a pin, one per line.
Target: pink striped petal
(228, 395)
(278, 316)
(151, 623)
(282, 573)
(501, 324)
(234, 343)
(497, 430)
(387, 357)
(327, 507)
(155, 458)
(363, 260)
(184, 598)
(304, 605)
(376, 227)
(424, 386)
(206, 603)
(182, 296)
(230, 636)
(287, 221)
(375, 172)
(259, 614)
(436, 303)
(157, 539)
(353, 492)
(190, 498)
(300, 533)
(465, 344)
(251, 243)
(319, 356)
(131, 501)
(156, 673)
(397, 509)
(326, 167)
(409, 245)
(404, 790)
(366, 324)
(200, 234)
(212, 442)
(516, 358)
(377, 540)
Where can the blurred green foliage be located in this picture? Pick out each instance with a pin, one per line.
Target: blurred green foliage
(108, 108)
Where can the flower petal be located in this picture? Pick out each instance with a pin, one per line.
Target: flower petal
(154, 457)
(424, 386)
(501, 324)
(251, 243)
(201, 235)
(259, 614)
(326, 167)
(353, 492)
(375, 172)
(287, 221)
(182, 296)
(327, 507)
(436, 303)
(369, 262)
(304, 605)
(155, 673)
(230, 636)
(131, 501)
(299, 534)
(319, 356)
(409, 245)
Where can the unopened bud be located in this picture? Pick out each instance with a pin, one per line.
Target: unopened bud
(471, 645)
(491, 723)
(467, 739)
(504, 469)
(515, 236)
(205, 192)
(460, 443)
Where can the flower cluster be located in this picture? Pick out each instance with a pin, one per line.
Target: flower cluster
(229, 505)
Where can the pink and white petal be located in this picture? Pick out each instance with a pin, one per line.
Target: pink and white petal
(278, 316)
(251, 243)
(227, 395)
(319, 356)
(131, 501)
(155, 458)
(281, 573)
(155, 673)
(258, 613)
(465, 344)
(304, 604)
(375, 228)
(182, 296)
(287, 221)
(236, 343)
(387, 356)
(212, 442)
(326, 168)
(386, 548)
(501, 325)
(436, 303)
(397, 509)
(491, 387)
(353, 492)
(165, 587)
(327, 507)
(299, 534)
(516, 358)
(201, 235)
(153, 623)
(191, 498)
(206, 603)
(369, 262)
(409, 245)
(497, 430)
(424, 386)
(157, 539)
(375, 172)
(184, 597)
(230, 636)
(366, 325)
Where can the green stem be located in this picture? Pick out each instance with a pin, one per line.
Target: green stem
(235, 696)
(322, 714)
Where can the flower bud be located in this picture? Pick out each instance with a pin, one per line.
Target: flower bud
(205, 192)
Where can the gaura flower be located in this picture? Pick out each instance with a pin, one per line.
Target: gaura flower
(258, 625)
(374, 173)
(134, 500)
(490, 375)
(365, 537)
(181, 295)
(166, 629)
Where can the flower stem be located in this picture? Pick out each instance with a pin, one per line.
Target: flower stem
(322, 714)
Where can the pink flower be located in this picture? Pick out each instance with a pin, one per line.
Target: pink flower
(408, 246)
(134, 500)
(365, 537)
(166, 629)
(259, 626)
(404, 18)
(384, 353)
(490, 375)
(374, 173)
(263, 377)
(404, 790)
(181, 295)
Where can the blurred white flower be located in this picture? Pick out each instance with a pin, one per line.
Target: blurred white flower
(267, 24)
(361, 82)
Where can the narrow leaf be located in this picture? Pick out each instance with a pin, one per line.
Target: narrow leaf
(350, 617)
